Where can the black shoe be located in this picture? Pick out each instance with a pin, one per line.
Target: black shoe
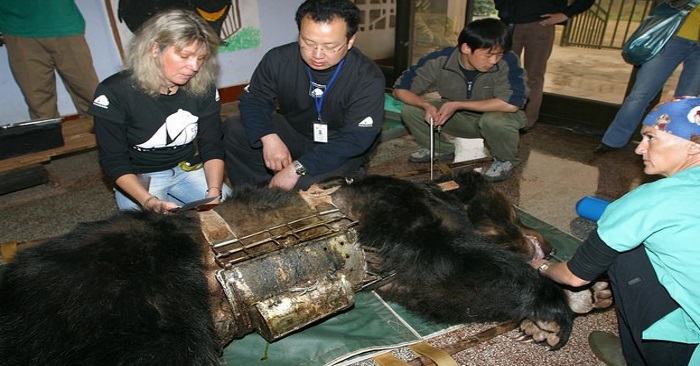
(603, 148)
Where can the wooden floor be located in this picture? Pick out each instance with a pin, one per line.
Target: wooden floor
(78, 136)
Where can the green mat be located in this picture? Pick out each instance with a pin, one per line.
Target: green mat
(392, 127)
(371, 325)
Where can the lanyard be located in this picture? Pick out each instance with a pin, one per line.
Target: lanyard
(319, 100)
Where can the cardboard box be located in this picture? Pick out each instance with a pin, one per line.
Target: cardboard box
(29, 137)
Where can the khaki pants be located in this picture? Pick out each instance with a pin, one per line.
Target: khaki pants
(533, 43)
(498, 129)
(34, 61)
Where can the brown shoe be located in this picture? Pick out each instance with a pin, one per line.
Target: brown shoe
(607, 348)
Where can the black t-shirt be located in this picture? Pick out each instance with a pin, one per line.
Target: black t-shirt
(137, 133)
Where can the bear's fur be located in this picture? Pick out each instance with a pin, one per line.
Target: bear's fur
(458, 256)
(129, 290)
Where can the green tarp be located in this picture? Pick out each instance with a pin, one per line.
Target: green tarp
(370, 325)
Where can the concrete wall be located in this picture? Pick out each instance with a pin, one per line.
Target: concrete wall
(276, 27)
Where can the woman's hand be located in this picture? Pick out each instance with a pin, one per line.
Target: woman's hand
(154, 204)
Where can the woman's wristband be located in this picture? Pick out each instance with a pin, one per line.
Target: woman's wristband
(219, 188)
(148, 200)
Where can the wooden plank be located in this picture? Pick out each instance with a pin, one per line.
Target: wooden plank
(78, 135)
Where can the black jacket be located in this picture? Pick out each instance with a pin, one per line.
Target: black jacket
(519, 11)
(353, 107)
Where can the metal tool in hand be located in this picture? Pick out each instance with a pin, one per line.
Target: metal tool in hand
(432, 145)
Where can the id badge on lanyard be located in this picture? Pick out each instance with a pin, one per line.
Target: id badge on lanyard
(320, 127)
(320, 131)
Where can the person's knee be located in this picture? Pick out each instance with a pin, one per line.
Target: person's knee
(412, 115)
(499, 122)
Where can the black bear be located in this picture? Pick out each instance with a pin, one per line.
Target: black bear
(134, 289)
(129, 290)
(456, 255)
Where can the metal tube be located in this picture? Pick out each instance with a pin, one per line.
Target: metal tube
(432, 147)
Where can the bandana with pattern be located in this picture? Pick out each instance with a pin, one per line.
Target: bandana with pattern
(679, 117)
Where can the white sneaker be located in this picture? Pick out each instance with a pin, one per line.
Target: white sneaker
(499, 171)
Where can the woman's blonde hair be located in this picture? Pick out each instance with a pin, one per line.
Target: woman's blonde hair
(178, 28)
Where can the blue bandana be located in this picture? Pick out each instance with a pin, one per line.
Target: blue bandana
(679, 117)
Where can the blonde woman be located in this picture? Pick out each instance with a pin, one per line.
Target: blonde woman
(158, 122)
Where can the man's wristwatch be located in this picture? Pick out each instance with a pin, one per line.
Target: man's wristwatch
(299, 168)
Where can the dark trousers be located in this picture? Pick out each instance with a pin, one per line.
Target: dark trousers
(245, 164)
(641, 301)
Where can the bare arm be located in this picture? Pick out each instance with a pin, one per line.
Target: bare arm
(214, 172)
(553, 18)
(131, 185)
(411, 98)
(448, 109)
(558, 272)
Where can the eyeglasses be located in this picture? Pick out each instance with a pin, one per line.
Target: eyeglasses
(311, 47)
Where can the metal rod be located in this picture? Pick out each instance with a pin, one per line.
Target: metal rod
(432, 147)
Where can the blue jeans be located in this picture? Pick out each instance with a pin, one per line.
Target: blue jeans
(651, 77)
(174, 185)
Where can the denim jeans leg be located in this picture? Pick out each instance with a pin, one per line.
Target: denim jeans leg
(651, 77)
(186, 186)
(158, 185)
(174, 185)
(689, 80)
(124, 202)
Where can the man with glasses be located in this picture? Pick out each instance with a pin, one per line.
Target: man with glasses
(313, 109)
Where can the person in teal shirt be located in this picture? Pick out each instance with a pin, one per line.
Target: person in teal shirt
(649, 243)
(43, 37)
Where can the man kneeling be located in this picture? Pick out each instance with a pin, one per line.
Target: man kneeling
(483, 91)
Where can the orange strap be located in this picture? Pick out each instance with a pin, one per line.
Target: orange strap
(440, 357)
(8, 250)
(387, 359)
